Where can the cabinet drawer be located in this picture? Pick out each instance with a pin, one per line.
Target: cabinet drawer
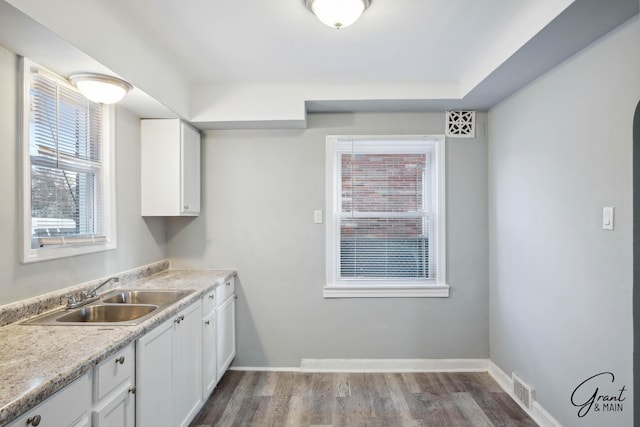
(209, 302)
(115, 370)
(68, 407)
(224, 291)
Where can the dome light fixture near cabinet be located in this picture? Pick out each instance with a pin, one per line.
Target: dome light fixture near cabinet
(100, 88)
(337, 13)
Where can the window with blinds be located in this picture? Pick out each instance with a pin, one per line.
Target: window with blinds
(66, 147)
(386, 205)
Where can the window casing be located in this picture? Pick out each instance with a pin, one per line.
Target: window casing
(385, 216)
(68, 179)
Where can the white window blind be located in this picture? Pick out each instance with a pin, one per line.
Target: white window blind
(386, 228)
(67, 168)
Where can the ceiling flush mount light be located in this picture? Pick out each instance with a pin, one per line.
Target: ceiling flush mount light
(100, 88)
(337, 13)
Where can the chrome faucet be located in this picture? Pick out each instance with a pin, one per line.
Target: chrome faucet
(87, 297)
(94, 293)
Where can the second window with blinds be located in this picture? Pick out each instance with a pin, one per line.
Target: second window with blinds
(385, 216)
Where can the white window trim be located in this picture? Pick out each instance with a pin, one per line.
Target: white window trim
(109, 184)
(383, 288)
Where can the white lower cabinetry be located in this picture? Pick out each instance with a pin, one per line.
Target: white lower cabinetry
(114, 390)
(218, 334)
(169, 371)
(161, 380)
(69, 407)
(225, 326)
(116, 412)
(187, 368)
(154, 380)
(113, 398)
(209, 367)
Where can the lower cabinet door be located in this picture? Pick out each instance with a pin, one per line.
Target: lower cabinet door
(117, 412)
(169, 371)
(209, 368)
(226, 336)
(154, 383)
(187, 365)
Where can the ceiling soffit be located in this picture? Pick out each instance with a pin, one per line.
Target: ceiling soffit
(216, 65)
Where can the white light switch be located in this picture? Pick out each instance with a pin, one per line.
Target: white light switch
(607, 218)
(317, 217)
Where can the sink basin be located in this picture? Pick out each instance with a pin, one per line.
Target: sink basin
(144, 297)
(107, 313)
(118, 308)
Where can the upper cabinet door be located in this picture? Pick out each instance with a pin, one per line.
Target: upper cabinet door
(190, 170)
(170, 168)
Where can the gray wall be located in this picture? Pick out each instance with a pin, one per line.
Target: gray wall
(636, 259)
(260, 189)
(139, 241)
(561, 287)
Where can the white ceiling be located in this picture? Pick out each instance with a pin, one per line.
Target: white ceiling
(266, 63)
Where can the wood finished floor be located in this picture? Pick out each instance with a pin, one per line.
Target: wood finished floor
(246, 398)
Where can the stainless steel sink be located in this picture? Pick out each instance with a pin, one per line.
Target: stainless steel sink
(115, 308)
(108, 313)
(97, 314)
(144, 297)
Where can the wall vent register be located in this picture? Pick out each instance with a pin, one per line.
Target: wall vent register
(460, 124)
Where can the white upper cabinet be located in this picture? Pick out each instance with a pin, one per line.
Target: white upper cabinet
(170, 168)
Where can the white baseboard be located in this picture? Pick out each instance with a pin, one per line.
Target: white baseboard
(378, 365)
(394, 365)
(537, 412)
(501, 377)
(265, 369)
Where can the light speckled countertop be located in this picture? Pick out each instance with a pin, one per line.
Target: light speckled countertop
(37, 361)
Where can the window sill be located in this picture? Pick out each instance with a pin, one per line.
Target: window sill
(45, 254)
(382, 291)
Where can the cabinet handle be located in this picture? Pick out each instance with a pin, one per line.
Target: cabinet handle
(120, 360)
(212, 296)
(186, 207)
(207, 322)
(228, 283)
(179, 319)
(34, 421)
(132, 390)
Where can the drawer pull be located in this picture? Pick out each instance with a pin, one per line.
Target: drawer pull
(207, 322)
(179, 319)
(228, 283)
(120, 360)
(212, 296)
(132, 390)
(34, 421)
